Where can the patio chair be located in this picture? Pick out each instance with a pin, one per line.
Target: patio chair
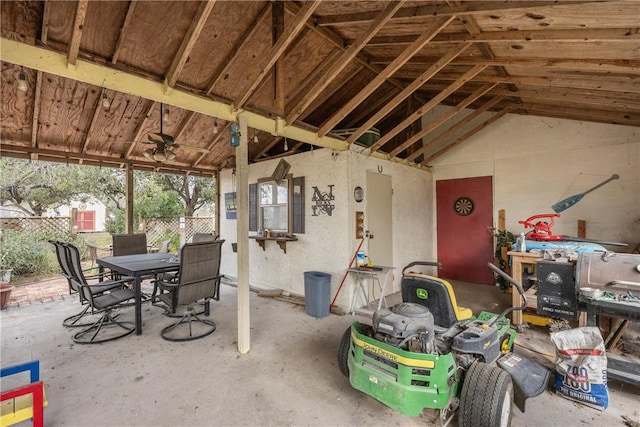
(97, 288)
(107, 327)
(164, 246)
(203, 237)
(198, 281)
(129, 244)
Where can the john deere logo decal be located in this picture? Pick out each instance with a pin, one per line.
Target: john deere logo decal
(422, 293)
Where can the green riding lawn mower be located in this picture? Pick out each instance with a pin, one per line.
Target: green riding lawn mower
(427, 353)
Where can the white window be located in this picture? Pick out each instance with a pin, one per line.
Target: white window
(273, 205)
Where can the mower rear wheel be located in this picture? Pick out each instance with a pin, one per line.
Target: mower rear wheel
(486, 397)
(343, 352)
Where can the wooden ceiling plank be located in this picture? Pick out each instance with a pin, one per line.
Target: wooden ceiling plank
(456, 127)
(563, 96)
(139, 128)
(587, 114)
(97, 109)
(442, 119)
(237, 48)
(189, 40)
(433, 102)
(317, 71)
(216, 138)
(352, 51)
(389, 71)
(415, 12)
(326, 94)
(186, 124)
(469, 134)
(278, 49)
(123, 30)
(37, 101)
(76, 33)
(410, 89)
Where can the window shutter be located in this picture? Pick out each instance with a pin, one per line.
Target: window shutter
(298, 205)
(253, 207)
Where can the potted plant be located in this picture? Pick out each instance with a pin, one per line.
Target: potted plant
(5, 293)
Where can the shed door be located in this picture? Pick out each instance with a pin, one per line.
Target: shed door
(465, 217)
(86, 220)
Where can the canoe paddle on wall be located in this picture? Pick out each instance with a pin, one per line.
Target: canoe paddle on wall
(570, 201)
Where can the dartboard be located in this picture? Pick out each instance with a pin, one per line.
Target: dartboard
(463, 206)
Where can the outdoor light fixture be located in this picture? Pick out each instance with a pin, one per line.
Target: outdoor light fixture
(166, 117)
(255, 138)
(22, 81)
(105, 101)
(148, 153)
(215, 127)
(159, 154)
(234, 134)
(286, 145)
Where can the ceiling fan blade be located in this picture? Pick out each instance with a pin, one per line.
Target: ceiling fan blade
(192, 148)
(160, 137)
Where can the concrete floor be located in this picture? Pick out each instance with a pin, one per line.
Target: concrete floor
(289, 377)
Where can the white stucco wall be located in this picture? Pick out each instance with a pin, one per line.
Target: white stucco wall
(536, 162)
(329, 242)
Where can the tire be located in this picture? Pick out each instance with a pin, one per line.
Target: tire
(486, 398)
(343, 352)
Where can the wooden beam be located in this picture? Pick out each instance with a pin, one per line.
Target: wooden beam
(415, 85)
(321, 69)
(189, 40)
(123, 30)
(587, 114)
(442, 119)
(328, 93)
(224, 67)
(371, 106)
(456, 127)
(595, 35)
(39, 58)
(76, 32)
(469, 134)
(46, 16)
(37, 100)
(417, 12)
(389, 71)
(184, 126)
(381, 19)
(242, 233)
(278, 49)
(128, 227)
(417, 114)
(277, 18)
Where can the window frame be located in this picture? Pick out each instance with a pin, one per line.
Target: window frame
(259, 205)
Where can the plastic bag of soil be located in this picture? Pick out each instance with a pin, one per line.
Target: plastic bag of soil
(581, 366)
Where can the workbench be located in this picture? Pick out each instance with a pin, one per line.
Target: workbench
(518, 259)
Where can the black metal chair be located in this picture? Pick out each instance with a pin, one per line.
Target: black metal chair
(107, 327)
(198, 281)
(129, 244)
(97, 288)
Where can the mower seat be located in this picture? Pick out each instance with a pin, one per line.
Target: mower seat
(435, 294)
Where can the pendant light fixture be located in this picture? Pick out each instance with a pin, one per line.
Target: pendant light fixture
(22, 81)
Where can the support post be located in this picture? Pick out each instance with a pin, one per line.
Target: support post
(129, 208)
(242, 191)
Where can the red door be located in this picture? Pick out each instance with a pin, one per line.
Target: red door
(465, 217)
(86, 220)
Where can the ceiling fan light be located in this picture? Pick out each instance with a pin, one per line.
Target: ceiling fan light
(22, 81)
(170, 155)
(160, 155)
(148, 153)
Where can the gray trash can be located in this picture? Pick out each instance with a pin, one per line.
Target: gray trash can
(317, 287)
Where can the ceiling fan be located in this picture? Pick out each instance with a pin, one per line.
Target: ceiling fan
(165, 144)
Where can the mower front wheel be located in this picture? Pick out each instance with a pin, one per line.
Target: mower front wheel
(343, 352)
(486, 397)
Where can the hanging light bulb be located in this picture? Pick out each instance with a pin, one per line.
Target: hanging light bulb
(215, 127)
(255, 138)
(286, 145)
(105, 101)
(22, 81)
(167, 117)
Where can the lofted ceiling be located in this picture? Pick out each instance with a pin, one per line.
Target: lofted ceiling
(99, 73)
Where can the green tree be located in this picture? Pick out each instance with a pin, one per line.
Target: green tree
(195, 192)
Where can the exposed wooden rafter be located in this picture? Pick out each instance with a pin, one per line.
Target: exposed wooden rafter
(189, 41)
(123, 31)
(381, 19)
(76, 32)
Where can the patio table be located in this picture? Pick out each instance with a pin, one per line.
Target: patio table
(139, 266)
